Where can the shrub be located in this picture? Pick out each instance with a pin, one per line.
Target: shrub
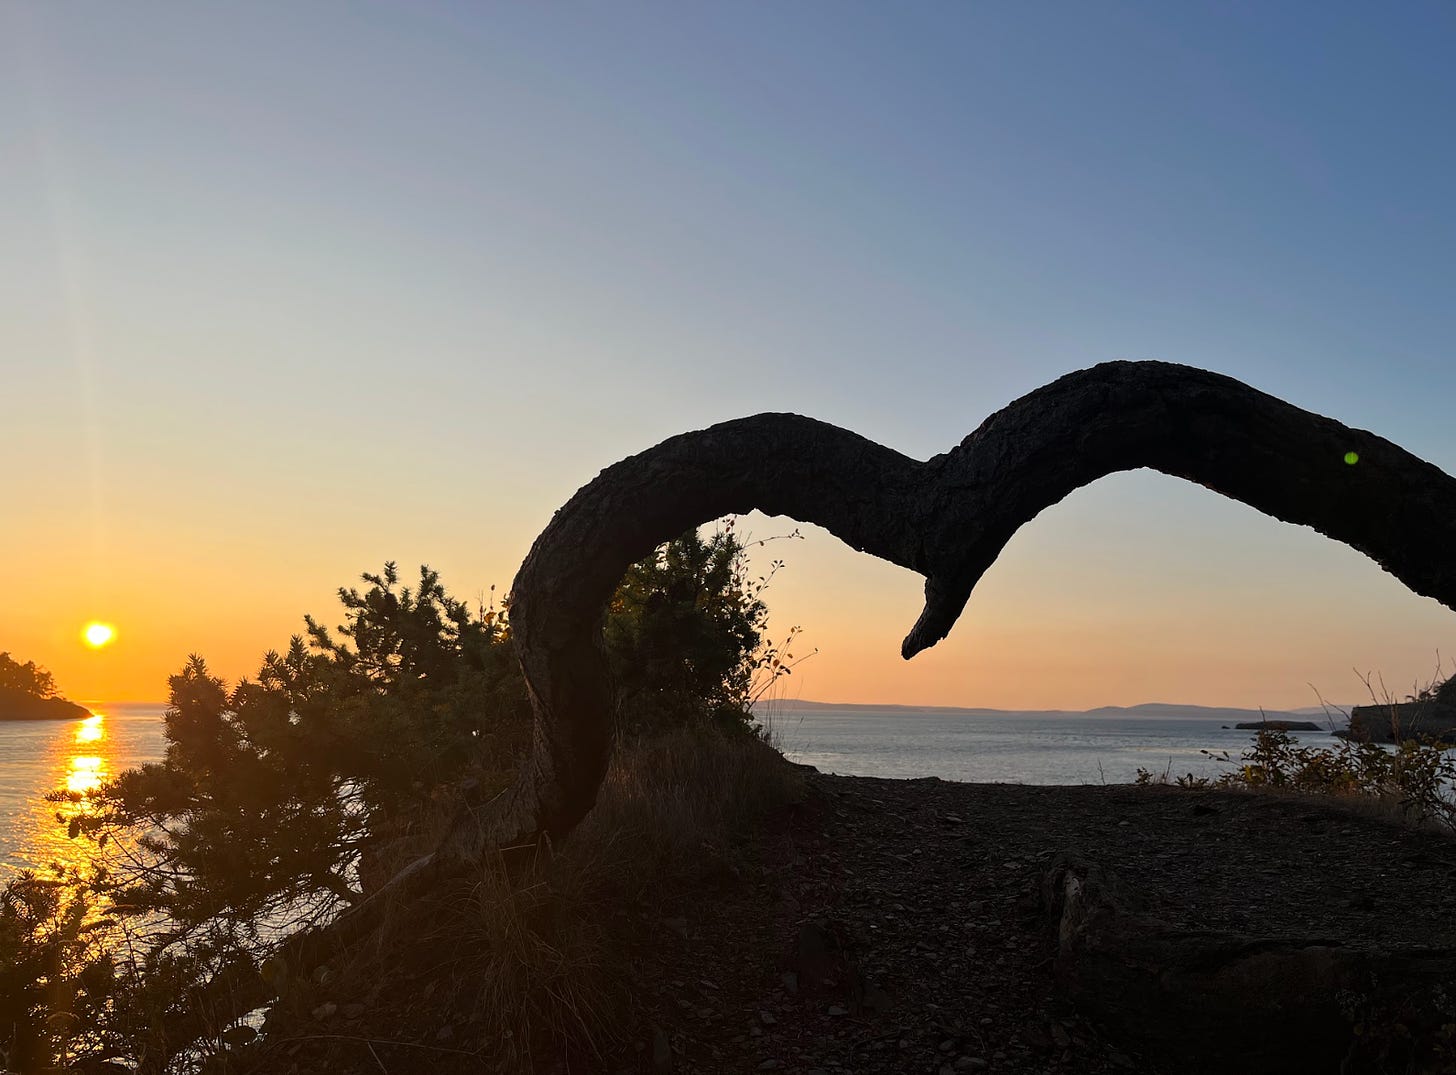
(292, 794)
(55, 977)
(1416, 778)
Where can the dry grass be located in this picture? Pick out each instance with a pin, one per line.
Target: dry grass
(537, 965)
(672, 808)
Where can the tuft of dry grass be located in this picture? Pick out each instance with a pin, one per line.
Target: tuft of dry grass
(531, 968)
(672, 808)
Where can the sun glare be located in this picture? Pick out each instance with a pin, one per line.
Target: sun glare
(88, 773)
(98, 634)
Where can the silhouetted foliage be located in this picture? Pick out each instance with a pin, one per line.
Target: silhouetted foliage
(286, 797)
(681, 632)
(1440, 691)
(270, 792)
(54, 979)
(1415, 778)
(28, 678)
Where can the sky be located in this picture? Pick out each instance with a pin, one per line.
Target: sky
(287, 291)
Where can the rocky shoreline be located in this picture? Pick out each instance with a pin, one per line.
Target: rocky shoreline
(1399, 721)
(883, 927)
(1278, 726)
(926, 926)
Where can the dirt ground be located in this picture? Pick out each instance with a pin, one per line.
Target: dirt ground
(897, 926)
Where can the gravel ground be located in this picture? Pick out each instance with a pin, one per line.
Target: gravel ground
(897, 926)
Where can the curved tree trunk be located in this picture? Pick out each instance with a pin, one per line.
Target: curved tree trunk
(947, 518)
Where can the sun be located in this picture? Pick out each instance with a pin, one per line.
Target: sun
(98, 634)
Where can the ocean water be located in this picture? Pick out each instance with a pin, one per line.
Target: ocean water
(978, 746)
(37, 756)
(1105, 746)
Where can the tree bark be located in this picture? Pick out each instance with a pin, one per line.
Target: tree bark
(947, 518)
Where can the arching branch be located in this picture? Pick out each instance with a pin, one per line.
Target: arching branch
(947, 518)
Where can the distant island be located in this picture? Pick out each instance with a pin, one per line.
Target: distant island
(1278, 726)
(1296, 718)
(28, 692)
(17, 705)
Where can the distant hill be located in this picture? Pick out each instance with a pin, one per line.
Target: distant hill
(1160, 710)
(18, 705)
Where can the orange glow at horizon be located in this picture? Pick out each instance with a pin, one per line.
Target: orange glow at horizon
(1165, 594)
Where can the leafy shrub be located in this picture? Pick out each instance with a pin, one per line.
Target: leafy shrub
(1416, 777)
(686, 635)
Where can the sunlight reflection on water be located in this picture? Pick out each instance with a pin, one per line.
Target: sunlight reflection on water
(37, 757)
(1018, 748)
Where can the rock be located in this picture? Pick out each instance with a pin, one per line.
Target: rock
(661, 1050)
(768, 1018)
(821, 957)
(325, 1010)
(1397, 723)
(1278, 726)
(875, 999)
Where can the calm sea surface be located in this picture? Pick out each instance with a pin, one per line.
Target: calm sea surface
(37, 756)
(1016, 748)
(1027, 748)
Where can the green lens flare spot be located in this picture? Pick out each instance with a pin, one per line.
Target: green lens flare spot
(1352, 458)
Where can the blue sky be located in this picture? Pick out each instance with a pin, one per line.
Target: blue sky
(291, 290)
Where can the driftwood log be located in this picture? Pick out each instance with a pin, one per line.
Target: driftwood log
(1211, 1000)
(947, 518)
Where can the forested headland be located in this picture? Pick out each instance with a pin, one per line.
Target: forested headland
(29, 692)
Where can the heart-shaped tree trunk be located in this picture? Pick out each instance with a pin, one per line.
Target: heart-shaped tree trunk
(947, 518)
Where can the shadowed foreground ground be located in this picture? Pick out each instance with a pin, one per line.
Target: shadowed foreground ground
(901, 926)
